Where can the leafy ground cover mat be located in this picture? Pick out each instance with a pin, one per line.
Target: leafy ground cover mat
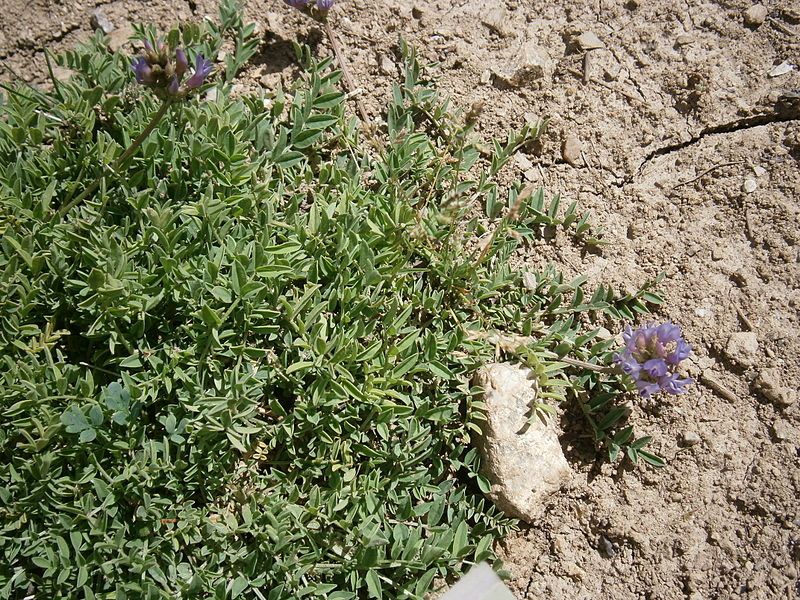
(242, 367)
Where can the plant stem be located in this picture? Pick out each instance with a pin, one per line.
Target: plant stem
(135, 144)
(348, 77)
(587, 365)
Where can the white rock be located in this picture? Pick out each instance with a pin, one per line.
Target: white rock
(99, 20)
(527, 64)
(742, 348)
(755, 15)
(783, 430)
(589, 41)
(759, 171)
(691, 438)
(387, 65)
(750, 185)
(497, 19)
(782, 69)
(571, 150)
(524, 462)
(523, 162)
(480, 583)
(770, 384)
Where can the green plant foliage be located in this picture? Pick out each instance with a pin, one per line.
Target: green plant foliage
(242, 367)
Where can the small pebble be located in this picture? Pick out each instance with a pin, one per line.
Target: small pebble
(691, 438)
(770, 384)
(755, 15)
(742, 348)
(571, 150)
(782, 69)
(387, 65)
(99, 20)
(782, 430)
(589, 41)
(607, 547)
(759, 171)
(750, 185)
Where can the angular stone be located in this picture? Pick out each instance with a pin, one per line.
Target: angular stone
(99, 20)
(589, 41)
(523, 461)
(497, 19)
(770, 384)
(742, 348)
(529, 63)
(571, 150)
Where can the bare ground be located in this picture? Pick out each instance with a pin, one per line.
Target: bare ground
(688, 150)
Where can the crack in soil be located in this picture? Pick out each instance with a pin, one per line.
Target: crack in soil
(786, 110)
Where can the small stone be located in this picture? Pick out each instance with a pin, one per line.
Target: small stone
(782, 430)
(782, 69)
(120, 37)
(755, 15)
(759, 171)
(571, 150)
(742, 348)
(589, 41)
(417, 11)
(523, 460)
(770, 385)
(387, 65)
(99, 20)
(750, 185)
(528, 63)
(690, 438)
(497, 20)
(62, 73)
(607, 547)
(684, 39)
(486, 77)
(523, 162)
(211, 95)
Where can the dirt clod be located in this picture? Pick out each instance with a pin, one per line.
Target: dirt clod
(742, 348)
(571, 150)
(755, 15)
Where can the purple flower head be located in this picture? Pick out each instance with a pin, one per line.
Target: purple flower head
(181, 64)
(202, 69)
(655, 367)
(142, 71)
(174, 86)
(325, 5)
(300, 4)
(673, 383)
(651, 357)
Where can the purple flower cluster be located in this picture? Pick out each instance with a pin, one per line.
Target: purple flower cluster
(651, 357)
(157, 69)
(323, 6)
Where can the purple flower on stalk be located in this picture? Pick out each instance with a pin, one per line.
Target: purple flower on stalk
(181, 64)
(325, 5)
(651, 357)
(142, 71)
(202, 69)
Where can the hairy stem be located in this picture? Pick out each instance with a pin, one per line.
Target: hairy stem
(348, 76)
(135, 144)
(587, 365)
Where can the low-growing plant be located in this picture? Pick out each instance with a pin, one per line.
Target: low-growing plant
(241, 365)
